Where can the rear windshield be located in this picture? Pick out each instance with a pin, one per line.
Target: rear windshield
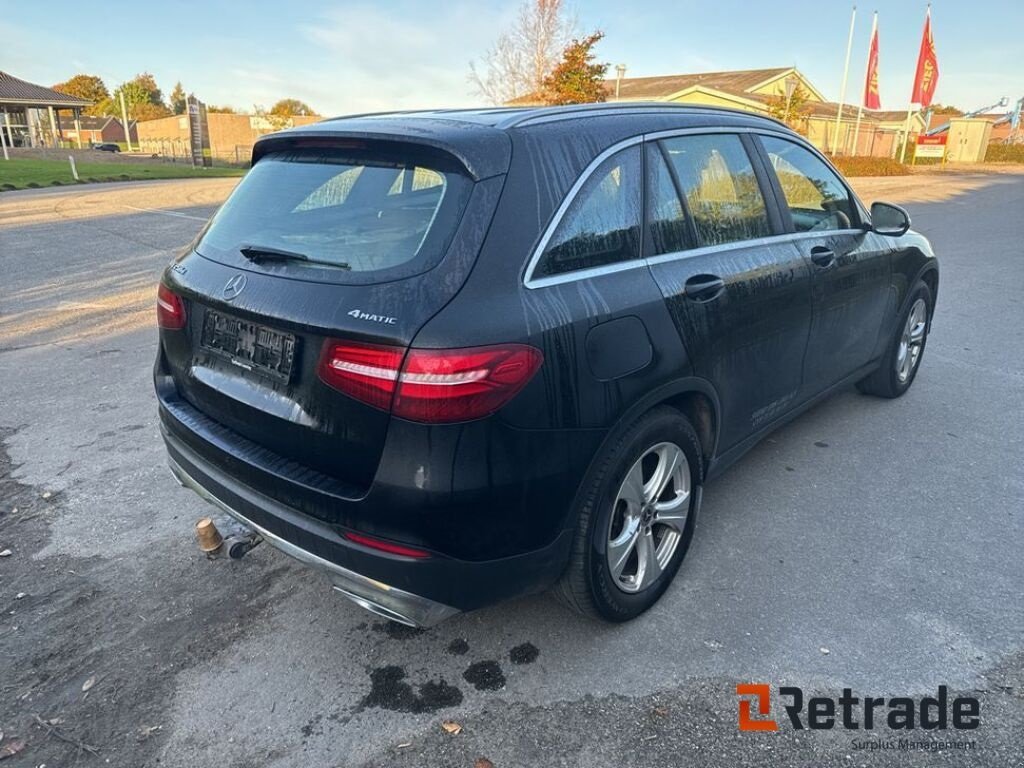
(348, 211)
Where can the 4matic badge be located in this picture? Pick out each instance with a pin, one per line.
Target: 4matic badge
(358, 314)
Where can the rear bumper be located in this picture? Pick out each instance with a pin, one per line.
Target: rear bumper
(416, 591)
(375, 596)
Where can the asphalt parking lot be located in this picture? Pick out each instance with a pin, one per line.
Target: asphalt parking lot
(873, 545)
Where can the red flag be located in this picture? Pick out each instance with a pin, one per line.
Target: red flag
(871, 98)
(927, 76)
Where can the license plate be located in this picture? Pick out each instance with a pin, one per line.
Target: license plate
(250, 346)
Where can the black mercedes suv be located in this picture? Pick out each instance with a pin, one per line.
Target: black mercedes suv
(452, 357)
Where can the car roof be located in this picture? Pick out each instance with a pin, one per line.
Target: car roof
(480, 137)
(504, 118)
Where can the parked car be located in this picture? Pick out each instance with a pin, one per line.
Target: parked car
(455, 357)
(106, 147)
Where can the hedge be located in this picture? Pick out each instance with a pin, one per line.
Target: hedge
(1005, 153)
(870, 166)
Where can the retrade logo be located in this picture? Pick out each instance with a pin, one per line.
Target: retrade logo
(850, 712)
(233, 287)
(762, 698)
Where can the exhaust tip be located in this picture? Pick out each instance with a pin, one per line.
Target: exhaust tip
(210, 540)
(376, 608)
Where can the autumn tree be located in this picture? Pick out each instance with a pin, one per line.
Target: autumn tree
(577, 78)
(523, 55)
(274, 122)
(946, 109)
(222, 109)
(292, 108)
(88, 87)
(179, 101)
(793, 111)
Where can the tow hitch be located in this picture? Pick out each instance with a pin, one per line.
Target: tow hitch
(238, 543)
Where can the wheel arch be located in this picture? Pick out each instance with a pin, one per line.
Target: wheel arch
(692, 396)
(930, 275)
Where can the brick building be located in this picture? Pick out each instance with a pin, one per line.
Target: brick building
(231, 136)
(96, 130)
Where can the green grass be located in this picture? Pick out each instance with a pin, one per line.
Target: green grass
(29, 173)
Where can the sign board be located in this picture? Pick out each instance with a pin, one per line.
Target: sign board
(930, 146)
(199, 133)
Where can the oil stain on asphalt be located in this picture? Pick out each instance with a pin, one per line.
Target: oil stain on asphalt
(485, 676)
(389, 690)
(458, 647)
(526, 653)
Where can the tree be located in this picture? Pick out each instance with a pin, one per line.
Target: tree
(291, 108)
(134, 95)
(224, 110)
(524, 55)
(142, 98)
(792, 111)
(147, 82)
(946, 109)
(88, 87)
(179, 101)
(147, 111)
(274, 122)
(576, 79)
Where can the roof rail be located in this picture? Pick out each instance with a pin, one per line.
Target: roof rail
(385, 113)
(539, 114)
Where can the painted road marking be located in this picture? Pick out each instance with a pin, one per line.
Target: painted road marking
(166, 213)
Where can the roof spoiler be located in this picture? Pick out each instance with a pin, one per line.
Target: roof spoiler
(482, 152)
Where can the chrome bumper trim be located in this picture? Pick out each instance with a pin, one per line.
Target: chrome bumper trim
(375, 596)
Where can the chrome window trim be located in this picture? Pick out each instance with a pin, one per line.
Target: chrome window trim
(556, 220)
(800, 141)
(788, 237)
(583, 274)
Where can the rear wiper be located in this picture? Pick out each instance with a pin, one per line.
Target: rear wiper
(268, 253)
(265, 252)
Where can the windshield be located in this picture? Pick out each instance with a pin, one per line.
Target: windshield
(354, 212)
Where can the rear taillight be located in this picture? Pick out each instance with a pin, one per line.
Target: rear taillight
(170, 309)
(444, 385)
(363, 371)
(433, 385)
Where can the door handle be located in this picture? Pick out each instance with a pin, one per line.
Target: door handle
(822, 256)
(704, 287)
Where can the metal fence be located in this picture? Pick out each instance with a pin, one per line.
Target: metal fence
(179, 151)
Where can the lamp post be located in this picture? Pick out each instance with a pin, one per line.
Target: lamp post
(620, 71)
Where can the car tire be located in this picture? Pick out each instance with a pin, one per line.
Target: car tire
(902, 359)
(609, 515)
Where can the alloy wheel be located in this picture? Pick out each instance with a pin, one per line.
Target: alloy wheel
(649, 517)
(912, 341)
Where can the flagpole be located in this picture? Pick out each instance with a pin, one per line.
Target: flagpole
(906, 133)
(867, 73)
(842, 88)
(910, 109)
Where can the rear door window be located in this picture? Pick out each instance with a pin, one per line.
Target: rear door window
(602, 223)
(717, 181)
(667, 221)
(816, 198)
(357, 213)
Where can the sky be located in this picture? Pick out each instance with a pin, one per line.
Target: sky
(342, 57)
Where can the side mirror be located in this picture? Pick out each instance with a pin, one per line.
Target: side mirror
(888, 219)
